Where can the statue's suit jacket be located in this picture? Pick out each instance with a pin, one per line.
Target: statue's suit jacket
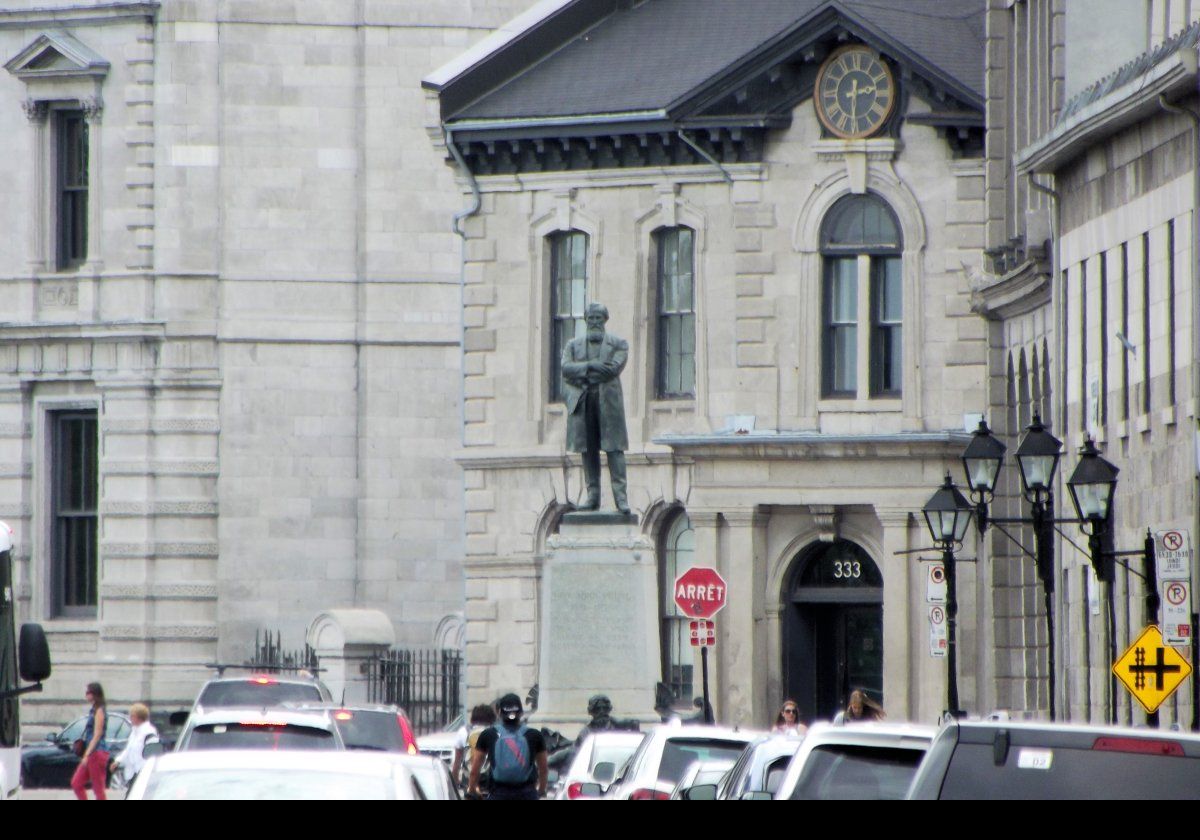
(614, 353)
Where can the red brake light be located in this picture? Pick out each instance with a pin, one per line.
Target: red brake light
(410, 741)
(1138, 745)
(265, 681)
(261, 723)
(343, 715)
(574, 790)
(649, 793)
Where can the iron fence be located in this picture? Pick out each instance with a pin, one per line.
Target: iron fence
(427, 684)
(269, 655)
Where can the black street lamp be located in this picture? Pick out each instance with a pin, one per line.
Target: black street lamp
(948, 515)
(1037, 458)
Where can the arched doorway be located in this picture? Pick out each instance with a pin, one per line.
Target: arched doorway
(833, 627)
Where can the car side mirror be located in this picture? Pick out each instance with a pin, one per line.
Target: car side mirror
(701, 793)
(33, 653)
(152, 747)
(757, 795)
(178, 718)
(591, 789)
(604, 772)
(53, 736)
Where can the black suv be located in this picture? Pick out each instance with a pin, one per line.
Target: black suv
(1010, 760)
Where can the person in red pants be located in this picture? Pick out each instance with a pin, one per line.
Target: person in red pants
(93, 764)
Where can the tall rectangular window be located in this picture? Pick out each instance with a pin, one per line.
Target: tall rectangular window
(841, 333)
(74, 480)
(1146, 323)
(887, 354)
(568, 298)
(1125, 331)
(1103, 338)
(1083, 349)
(676, 313)
(1170, 312)
(71, 193)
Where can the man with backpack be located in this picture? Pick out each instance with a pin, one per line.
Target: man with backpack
(516, 754)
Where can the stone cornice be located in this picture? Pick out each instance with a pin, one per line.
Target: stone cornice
(813, 445)
(110, 331)
(485, 459)
(1022, 290)
(104, 12)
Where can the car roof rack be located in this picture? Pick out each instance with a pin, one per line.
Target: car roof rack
(264, 668)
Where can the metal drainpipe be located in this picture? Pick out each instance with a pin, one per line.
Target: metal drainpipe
(1195, 360)
(1055, 597)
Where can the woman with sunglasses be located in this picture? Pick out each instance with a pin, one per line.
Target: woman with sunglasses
(787, 722)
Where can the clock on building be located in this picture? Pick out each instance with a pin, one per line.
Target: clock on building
(855, 92)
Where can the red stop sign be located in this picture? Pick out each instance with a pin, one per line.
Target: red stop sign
(700, 592)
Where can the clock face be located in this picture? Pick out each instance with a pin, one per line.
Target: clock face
(855, 93)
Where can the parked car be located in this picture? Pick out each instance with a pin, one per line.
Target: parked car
(373, 726)
(702, 777)
(758, 771)
(52, 764)
(666, 753)
(1008, 760)
(607, 749)
(261, 774)
(259, 729)
(855, 761)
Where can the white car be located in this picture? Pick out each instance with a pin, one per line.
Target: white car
(264, 774)
(703, 776)
(759, 771)
(431, 774)
(604, 751)
(856, 761)
(666, 753)
(259, 729)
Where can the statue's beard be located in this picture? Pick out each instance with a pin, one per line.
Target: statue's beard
(595, 336)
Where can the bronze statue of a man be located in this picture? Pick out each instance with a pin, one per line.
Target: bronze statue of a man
(595, 405)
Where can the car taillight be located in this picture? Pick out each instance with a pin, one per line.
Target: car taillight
(410, 742)
(1138, 745)
(649, 793)
(265, 681)
(343, 715)
(575, 790)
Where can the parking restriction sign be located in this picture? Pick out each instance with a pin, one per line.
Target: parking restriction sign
(1173, 553)
(938, 638)
(1177, 612)
(935, 584)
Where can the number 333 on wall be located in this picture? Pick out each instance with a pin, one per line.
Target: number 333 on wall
(847, 569)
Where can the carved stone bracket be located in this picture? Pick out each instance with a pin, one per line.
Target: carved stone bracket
(826, 517)
(35, 110)
(93, 109)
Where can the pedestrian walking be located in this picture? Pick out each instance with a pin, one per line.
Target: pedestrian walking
(482, 718)
(787, 722)
(862, 708)
(130, 761)
(92, 748)
(517, 755)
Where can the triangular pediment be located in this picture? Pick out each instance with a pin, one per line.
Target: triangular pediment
(56, 55)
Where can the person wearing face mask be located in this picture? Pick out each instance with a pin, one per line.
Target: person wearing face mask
(591, 367)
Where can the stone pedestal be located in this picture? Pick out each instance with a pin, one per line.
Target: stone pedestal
(599, 628)
(345, 641)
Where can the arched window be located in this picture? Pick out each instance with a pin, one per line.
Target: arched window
(862, 306)
(568, 298)
(676, 323)
(676, 555)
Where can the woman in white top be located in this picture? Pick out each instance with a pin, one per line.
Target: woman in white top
(130, 761)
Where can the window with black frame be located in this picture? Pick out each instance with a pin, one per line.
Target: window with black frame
(568, 298)
(71, 198)
(676, 323)
(74, 512)
(677, 553)
(862, 300)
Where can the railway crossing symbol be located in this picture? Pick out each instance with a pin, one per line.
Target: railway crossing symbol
(1151, 669)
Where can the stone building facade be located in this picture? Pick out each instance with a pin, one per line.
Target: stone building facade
(229, 332)
(1089, 294)
(799, 486)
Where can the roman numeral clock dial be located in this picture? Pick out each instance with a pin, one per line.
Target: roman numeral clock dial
(855, 93)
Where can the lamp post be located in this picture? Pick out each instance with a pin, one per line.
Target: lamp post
(1092, 487)
(948, 514)
(1037, 459)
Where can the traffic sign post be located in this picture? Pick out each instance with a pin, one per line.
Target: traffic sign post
(1151, 670)
(700, 593)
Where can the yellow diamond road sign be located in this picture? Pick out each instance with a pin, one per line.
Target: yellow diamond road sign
(1151, 670)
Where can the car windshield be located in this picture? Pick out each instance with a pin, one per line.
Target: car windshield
(115, 728)
(255, 694)
(613, 753)
(370, 730)
(256, 736)
(839, 771)
(234, 783)
(680, 753)
(1063, 773)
